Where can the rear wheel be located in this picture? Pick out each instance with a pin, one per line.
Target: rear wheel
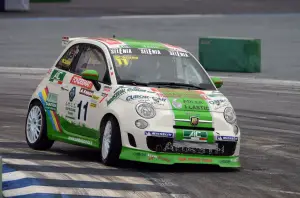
(36, 128)
(111, 144)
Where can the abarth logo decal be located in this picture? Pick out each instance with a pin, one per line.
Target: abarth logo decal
(194, 121)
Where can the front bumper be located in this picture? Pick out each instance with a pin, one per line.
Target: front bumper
(175, 158)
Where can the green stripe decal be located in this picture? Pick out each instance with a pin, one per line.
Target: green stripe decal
(186, 104)
(210, 138)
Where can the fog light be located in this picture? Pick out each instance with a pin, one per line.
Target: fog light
(141, 124)
(236, 129)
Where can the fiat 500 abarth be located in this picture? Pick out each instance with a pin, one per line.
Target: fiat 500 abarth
(134, 100)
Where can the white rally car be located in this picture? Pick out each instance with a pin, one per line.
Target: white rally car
(135, 100)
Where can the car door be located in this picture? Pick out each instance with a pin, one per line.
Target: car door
(50, 95)
(82, 115)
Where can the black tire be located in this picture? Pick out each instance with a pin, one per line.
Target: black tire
(115, 144)
(42, 142)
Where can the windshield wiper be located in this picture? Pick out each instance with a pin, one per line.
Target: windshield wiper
(175, 84)
(132, 82)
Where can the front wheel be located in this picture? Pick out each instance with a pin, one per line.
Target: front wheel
(111, 144)
(36, 128)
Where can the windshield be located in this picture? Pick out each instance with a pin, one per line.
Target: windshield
(159, 67)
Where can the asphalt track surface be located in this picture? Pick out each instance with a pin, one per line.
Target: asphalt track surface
(81, 8)
(36, 42)
(268, 114)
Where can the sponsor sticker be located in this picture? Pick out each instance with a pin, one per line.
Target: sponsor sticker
(217, 102)
(225, 161)
(125, 60)
(80, 140)
(196, 148)
(106, 88)
(227, 138)
(150, 51)
(139, 154)
(195, 135)
(57, 76)
(159, 134)
(136, 97)
(103, 95)
(51, 102)
(86, 92)
(178, 54)
(195, 159)
(192, 101)
(93, 105)
(120, 51)
(176, 104)
(71, 110)
(79, 81)
(95, 97)
(196, 107)
(157, 157)
(117, 94)
(159, 100)
(72, 94)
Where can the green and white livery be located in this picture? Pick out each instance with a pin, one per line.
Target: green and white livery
(134, 100)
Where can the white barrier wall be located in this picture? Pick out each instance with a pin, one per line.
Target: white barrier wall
(14, 5)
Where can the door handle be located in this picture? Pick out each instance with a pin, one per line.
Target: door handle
(64, 88)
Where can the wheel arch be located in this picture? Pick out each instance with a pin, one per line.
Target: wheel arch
(105, 118)
(34, 100)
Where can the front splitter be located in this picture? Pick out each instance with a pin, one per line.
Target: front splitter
(175, 158)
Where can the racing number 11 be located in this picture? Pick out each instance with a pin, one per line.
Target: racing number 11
(85, 110)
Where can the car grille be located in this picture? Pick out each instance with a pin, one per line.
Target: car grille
(193, 128)
(158, 144)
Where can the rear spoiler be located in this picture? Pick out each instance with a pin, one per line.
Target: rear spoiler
(65, 40)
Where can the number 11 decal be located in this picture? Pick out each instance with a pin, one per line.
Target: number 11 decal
(85, 110)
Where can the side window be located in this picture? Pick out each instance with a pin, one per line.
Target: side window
(67, 59)
(93, 58)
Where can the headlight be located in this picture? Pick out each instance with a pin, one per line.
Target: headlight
(145, 110)
(229, 115)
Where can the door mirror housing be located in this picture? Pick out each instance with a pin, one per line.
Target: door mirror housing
(93, 76)
(217, 81)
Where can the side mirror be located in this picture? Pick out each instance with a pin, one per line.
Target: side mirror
(93, 76)
(90, 75)
(217, 81)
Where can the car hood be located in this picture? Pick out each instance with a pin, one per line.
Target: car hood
(172, 98)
